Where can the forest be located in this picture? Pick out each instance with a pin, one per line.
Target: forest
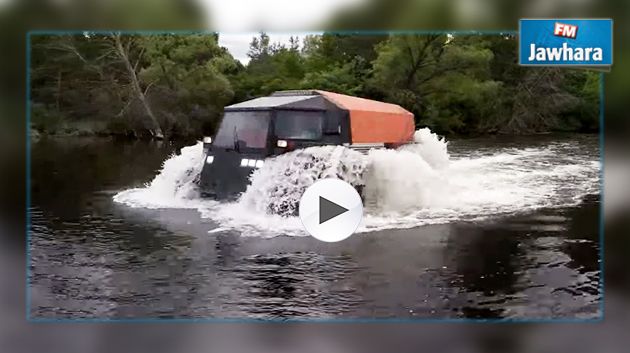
(176, 85)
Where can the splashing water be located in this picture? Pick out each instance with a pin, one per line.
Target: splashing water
(277, 187)
(414, 185)
(175, 185)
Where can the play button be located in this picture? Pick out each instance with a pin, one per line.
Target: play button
(331, 210)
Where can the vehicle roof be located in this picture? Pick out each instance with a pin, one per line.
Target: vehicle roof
(269, 102)
(313, 99)
(362, 104)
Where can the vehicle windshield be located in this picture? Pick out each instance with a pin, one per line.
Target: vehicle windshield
(249, 128)
(298, 125)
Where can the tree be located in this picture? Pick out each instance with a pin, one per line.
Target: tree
(472, 84)
(191, 80)
(133, 85)
(272, 67)
(70, 80)
(177, 85)
(442, 79)
(259, 48)
(124, 52)
(339, 63)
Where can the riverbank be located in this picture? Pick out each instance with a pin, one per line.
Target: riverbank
(72, 133)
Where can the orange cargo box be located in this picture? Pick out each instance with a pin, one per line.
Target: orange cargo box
(373, 121)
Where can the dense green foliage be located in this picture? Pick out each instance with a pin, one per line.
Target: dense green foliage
(82, 83)
(177, 85)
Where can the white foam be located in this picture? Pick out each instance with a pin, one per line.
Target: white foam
(174, 186)
(277, 187)
(415, 185)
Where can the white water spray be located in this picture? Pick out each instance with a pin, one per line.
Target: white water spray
(175, 185)
(414, 185)
(277, 187)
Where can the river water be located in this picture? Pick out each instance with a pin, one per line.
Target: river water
(479, 228)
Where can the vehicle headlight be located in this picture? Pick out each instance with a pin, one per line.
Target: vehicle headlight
(282, 143)
(209, 159)
(207, 139)
(257, 163)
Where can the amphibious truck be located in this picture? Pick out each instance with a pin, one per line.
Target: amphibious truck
(256, 129)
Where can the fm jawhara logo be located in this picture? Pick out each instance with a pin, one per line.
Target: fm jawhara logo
(565, 42)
